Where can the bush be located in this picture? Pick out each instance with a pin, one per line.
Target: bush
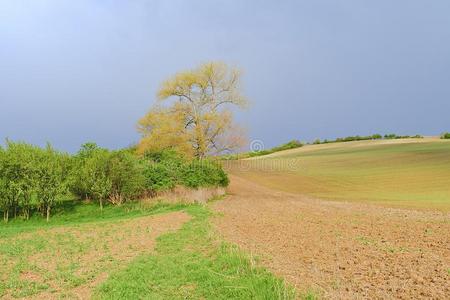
(101, 174)
(167, 169)
(162, 170)
(89, 174)
(445, 135)
(52, 170)
(390, 136)
(159, 177)
(125, 171)
(19, 179)
(204, 173)
(289, 145)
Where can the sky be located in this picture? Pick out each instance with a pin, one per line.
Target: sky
(78, 71)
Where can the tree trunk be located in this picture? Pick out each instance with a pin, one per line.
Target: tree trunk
(6, 215)
(101, 204)
(48, 213)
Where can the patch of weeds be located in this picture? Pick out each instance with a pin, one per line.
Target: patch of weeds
(21, 287)
(192, 263)
(365, 240)
(309, 295)
(65, 275)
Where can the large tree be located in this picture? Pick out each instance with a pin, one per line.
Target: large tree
(192, 112)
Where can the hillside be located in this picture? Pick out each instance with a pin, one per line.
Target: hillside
(408, 172)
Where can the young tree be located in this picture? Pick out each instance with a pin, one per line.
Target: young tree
(78, 183)
(91, 174)
(5, 203)
(94, 173)
(53, 174)
(19, 175)
(125, 172)
(198, 119)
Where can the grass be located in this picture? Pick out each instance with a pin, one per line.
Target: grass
(61, 258)
(74, 212)
(193, 264)
(77, 245)
(408, 173)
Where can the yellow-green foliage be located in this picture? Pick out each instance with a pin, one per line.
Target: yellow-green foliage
(197, 123)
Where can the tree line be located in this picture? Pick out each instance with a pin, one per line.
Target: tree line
(35, 179)
(391, 136)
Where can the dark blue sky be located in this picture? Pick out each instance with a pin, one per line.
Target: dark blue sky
(76, 71)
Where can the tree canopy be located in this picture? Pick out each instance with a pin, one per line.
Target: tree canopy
(192, 113)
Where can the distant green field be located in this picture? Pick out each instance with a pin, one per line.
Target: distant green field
(411, 173)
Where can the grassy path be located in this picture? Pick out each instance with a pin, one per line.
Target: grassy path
(193, 264)
(129, 252)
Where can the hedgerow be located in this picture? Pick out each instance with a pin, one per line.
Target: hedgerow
(376, 136)
(34, 179)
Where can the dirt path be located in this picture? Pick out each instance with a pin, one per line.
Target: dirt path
(341, 250)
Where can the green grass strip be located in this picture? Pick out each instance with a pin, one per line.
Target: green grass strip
(192, 263)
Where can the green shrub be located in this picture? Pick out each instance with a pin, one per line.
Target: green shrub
(159, 177)
(162, 170)
(390, 136)
(100, 174)
(52, 170)
(204, 173)
(445, 135)
(19, 173)
(125, 171)
(289, 145)
(166, 169)
(259, 153)
(89, 176)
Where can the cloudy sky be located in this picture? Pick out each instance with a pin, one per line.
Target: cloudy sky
(77, 71)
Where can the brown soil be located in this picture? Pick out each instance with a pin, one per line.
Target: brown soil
(340, 250)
